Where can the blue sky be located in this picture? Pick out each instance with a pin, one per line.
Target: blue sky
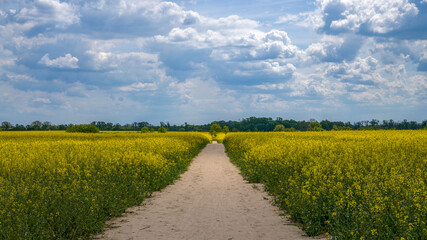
(197, 61)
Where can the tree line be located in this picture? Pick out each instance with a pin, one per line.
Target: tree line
(251, 124)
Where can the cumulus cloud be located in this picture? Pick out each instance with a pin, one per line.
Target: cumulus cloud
(228, 45)
(334, 49)
(204, 96)
(365, 16)
(357, 67)
(231, 22)
(134, 18)
(66, 61)
(133, 54)
(362, 81)
(178, 34)
(315, 86)
(109, 61)
(275, 44)
(61, 14)
(391, 51)
(362, 17)
(214, 38)
(265, 67)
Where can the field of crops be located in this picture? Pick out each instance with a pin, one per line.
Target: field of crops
(350, 185)
(57, 185)
(219, 137)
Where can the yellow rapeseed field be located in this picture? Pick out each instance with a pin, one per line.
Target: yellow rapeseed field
(349, 185)
(219, 137)
(57, 185)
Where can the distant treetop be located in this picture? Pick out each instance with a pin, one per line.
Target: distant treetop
(83, 128)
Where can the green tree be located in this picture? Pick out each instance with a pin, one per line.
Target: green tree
(36, 125)
(46, 125)
(6, 125)
(279, 128)
(335, 128)
(225, 129)
(215, 128)
(425, 128)
(315, 126)
(83, 128)
(290, 129)
(145, 130)
(0, 129)
(162, 130)
(152, 130)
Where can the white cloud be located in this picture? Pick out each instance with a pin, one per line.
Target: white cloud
(315, 85)
(265, 67)
(275, 44)
(392, 51)
(230, 45)
(230, 22)
(20, 78)
(378, 16)
(109, 61)
(190, 18)
(361, 67)
(41, 100)
(197, 91)
(7, 62)
(136, 87)
(303, 19)
(67, 61)
(49, 11)
(334, 49)
(362, 81)
(128, 50)
(206, 97)
(336, 16)
(178, 34)
(417, 85)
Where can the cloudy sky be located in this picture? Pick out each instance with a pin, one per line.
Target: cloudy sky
(198, 61)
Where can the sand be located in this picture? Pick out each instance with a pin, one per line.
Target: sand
(210, 201)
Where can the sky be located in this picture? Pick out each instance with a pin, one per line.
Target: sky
(197, 61)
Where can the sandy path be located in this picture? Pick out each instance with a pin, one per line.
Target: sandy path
(210, 201)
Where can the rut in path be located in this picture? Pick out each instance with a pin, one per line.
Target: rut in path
(210, 201)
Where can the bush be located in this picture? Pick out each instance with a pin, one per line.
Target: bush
(215, 128)
(225, 129)
(0, 128)
(290, 129)
(145, 130)
(279, 128)
(315, 126)
(83, 128)
(343, 128)
(162, 130)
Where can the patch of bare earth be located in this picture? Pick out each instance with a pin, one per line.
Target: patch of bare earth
(210, 201)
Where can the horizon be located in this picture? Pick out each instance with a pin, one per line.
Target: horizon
(215, 121)
(198, 61)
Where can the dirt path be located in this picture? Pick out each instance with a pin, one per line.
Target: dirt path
(210, 201)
